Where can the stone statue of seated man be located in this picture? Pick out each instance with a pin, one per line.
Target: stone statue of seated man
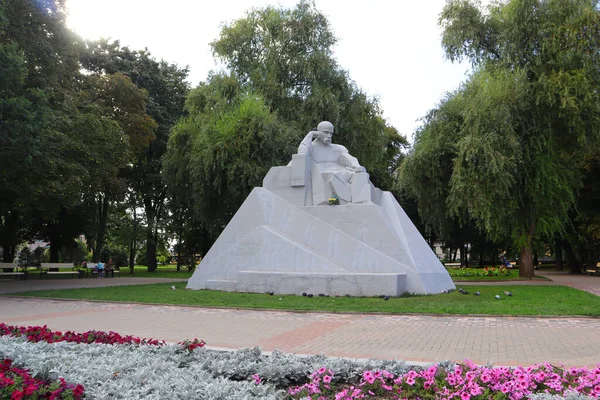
(328, 170)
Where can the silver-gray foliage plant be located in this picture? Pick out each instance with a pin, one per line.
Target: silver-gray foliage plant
(151, 372)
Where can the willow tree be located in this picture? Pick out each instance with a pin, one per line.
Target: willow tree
(530, 112)
(281, 80)
(223, 149)
(286, 55)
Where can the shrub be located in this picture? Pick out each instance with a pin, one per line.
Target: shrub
(482, 272)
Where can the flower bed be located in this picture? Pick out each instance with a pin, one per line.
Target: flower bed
(42, 333)
(463, 381)
(156, 371)
(475, 272)
(16, 383)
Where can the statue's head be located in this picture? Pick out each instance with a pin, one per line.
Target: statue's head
(325, 132)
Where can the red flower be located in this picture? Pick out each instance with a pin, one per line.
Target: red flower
(78, 390)
(30, 390)
(16, 395)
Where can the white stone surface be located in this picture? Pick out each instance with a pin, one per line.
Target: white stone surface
(357, 284)
(285, 237)
(270, 235)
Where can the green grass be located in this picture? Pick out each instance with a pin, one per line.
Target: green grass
(472, 274)
(526, 300)
(169, 271)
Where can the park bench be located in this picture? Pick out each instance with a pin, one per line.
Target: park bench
(15, 273)
(92, 267)
(62, 267)
(452, 265)
(593, 271)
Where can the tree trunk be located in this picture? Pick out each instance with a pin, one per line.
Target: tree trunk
(526, 262)
(54, 248)
(590, 263)
(133, 242)
(151, 250)
(9, 237)
(526, 256)
(481, 260)
(102, 219)
(558, 254)
(153, 215)
(179, 241)
(462, 255)
(571, 258)
(8, 253)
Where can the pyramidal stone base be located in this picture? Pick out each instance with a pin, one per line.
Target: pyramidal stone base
(275, 244)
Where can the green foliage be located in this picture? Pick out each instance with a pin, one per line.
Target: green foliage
(479, 272)
(224, 149)
(141, 258)
(116, 97)
(40, 69)
(282, 80)
(286, 56)
(166, 89)
(517, 131)
(25, 257)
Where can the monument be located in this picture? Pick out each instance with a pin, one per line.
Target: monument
(287, 237)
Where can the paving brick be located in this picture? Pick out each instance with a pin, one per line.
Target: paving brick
(422, 338)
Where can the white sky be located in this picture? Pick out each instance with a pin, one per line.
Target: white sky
(391, 48)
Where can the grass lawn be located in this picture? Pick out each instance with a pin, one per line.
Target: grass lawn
(477, 274)
(526, 300)
(169, 271)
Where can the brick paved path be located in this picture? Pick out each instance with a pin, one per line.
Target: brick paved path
(500, 340)
(14, 286)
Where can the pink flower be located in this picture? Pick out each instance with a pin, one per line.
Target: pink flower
(327, 379)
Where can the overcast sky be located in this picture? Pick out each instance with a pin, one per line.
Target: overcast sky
(390, 48)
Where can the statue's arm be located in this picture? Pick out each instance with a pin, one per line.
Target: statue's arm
(348, 161)
(306, 143)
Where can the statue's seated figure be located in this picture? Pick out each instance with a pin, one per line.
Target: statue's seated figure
(328, 170)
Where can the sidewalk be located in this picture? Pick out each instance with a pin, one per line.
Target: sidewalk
(14, 286)
(417, 338)
(587, 283)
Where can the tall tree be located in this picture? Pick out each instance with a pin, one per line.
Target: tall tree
(40, 61)
(531, 112)
(281, 81)
(167, 88)
(116, 98)
(286, 56)
(224, 149)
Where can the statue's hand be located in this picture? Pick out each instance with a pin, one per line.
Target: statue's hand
(360, 169)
